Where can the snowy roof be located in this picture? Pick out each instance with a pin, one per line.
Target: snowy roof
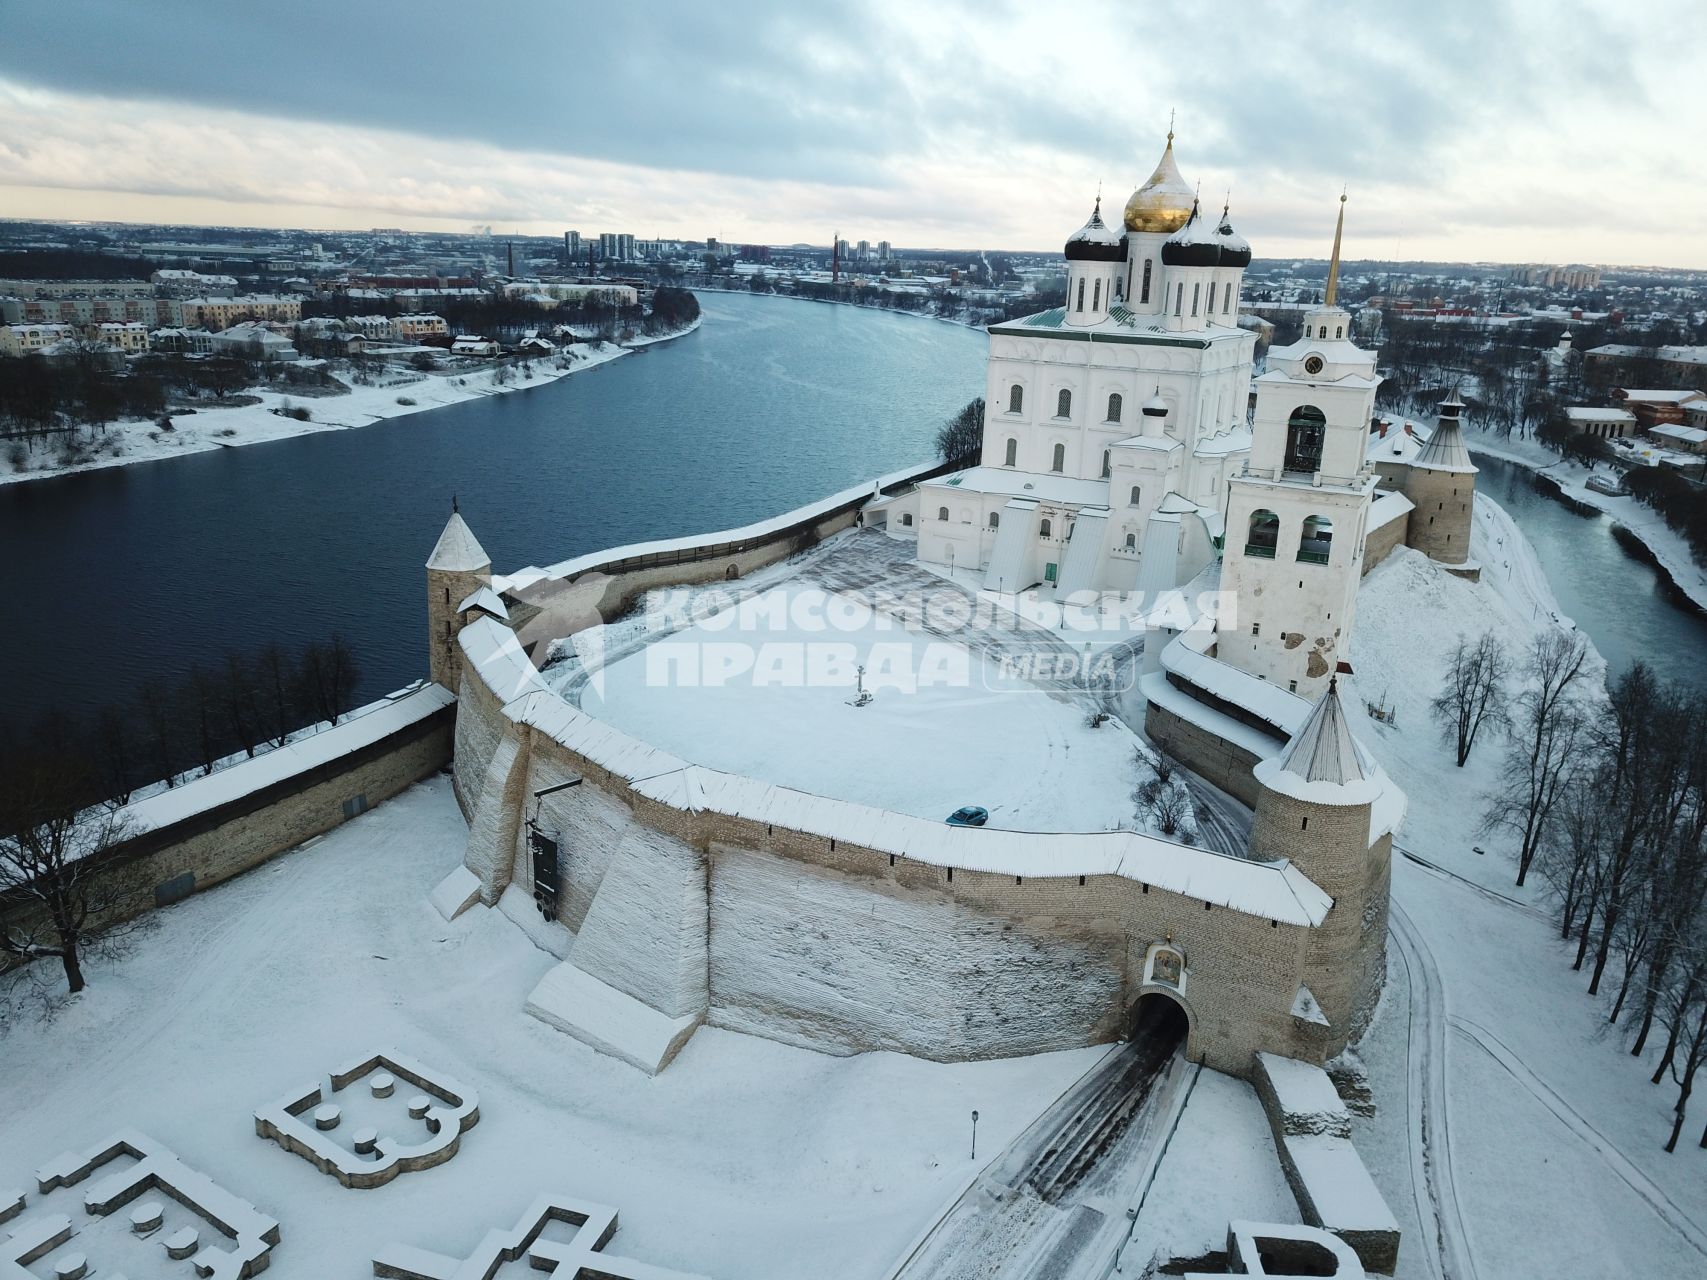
(1094, 232)
(1234, 440)
(1676, 355)
(1656, 396)
(1388, 507)
(1446, 450)
(484, 598)
(458, 550)
(1594, 413)
(1325, 758)
(362, 728)
(1046, 486)
(1672, 431)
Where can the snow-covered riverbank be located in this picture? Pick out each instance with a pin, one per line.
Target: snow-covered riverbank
(1669, 549)
(123, 443)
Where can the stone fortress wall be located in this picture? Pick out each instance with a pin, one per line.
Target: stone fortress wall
(207, 830)
(691, 896)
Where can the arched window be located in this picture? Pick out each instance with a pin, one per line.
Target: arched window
(995, 519)
(1043, 529)
(1016, 398)
(1119, 288)
(1064, 404)
(1316, 544)
(1115, 405)
(1227, 299)
(942, 513)
(1105, 461)
(1012, 458)
(1134, 495)
(1145, 295)
(1304, 431)
(1196, 293)
(1081, 301)
(1096, 295)
(1339, 331)
(1179, 298)
(1132, 542)
(906, 519)
(1263, 534)
(1059, 462)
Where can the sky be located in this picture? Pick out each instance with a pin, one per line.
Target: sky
(1475, 130)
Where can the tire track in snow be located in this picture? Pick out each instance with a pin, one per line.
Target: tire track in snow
(1431, 1149)
(1657, 1200)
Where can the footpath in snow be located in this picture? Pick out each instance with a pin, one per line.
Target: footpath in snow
(123, 443)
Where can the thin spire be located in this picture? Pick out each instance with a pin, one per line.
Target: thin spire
(1170, 129)
(1334, 263)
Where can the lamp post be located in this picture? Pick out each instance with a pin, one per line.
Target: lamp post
(974, 1135)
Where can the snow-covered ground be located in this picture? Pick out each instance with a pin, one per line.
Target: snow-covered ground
(746, 1158)
(123, 443)
(1554, 1163)
(1668, 546)
(764, 689)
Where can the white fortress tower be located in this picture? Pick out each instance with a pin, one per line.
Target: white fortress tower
(1112, 423)
(1298, 511)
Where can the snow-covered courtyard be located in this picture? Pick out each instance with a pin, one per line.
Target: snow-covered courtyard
(766, 688)
(746, 1158)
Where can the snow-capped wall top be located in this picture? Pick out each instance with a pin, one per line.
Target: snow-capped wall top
(458, 550)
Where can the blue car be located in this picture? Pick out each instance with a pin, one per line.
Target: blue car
(971, 816)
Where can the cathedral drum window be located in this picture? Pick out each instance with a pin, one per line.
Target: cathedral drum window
(1164, 966)
(1016, 398)
(1012, 455)
(1064, 404)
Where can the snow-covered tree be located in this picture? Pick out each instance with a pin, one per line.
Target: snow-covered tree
(1475, 693)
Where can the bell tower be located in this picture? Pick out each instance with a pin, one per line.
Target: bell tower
(1297, 513)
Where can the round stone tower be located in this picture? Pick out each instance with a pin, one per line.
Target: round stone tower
(458, 569)
(1441, 485)
(1318, 809)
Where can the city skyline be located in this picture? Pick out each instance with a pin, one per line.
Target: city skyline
(959, 127)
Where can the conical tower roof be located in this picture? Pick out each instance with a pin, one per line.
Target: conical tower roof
(1323, 763)
(1324, 750)
(1446, 450)
(458, 550)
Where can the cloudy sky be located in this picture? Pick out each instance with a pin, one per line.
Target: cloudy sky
(1463, 129)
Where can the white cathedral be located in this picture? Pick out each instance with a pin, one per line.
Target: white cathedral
(1119, 454)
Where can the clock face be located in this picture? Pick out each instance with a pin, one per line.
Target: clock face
(1313, 364)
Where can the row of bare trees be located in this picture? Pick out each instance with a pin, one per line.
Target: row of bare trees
(63, 785)
(1605, 793)
(1625, 854)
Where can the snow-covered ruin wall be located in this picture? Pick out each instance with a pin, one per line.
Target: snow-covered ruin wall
(195, 835)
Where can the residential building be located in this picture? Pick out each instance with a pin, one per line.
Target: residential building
(28, 339)
(223, 313)
(129, 336)
(1601, 423)
(412, 328)
(255, 341)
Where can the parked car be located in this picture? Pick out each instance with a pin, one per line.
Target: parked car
(971, 816)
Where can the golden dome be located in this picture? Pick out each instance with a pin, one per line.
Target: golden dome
(1164, 202)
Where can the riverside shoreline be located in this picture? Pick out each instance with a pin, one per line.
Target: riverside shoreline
(134, 440)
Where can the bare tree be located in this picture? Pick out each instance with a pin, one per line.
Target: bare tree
(960, 438)
(275, 695)
(1687, 1052)
(1475, 692)
(159, 731)
(1546, 730)
(116, 747)
(54, 886)
(239, 703)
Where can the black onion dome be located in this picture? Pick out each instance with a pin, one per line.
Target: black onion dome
(1235, 249)
(1194, 245)
(1096, 241)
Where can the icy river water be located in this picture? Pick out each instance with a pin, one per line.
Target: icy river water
(110, 577)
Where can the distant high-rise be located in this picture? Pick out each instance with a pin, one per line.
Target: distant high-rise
(616, 246)
(864, 250)
(571, 245)
(883, 251)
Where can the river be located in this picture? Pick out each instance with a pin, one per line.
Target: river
(112, 577)
(1628, 607)
(115, 576)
